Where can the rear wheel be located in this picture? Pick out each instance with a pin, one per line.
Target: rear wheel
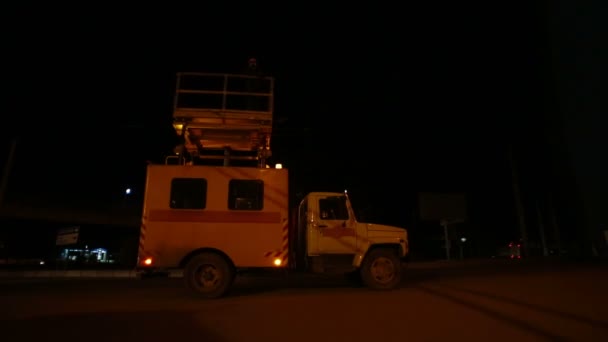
(209, 275)
(381, 269)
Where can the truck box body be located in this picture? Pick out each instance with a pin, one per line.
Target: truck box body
(240, 211)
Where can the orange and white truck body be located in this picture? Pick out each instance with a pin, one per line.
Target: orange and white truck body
(213, 221)
(243, 214)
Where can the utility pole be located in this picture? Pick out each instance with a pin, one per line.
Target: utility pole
(518, 203)
(445, 224)
(541, 230)
(555, 226)
(7, 170)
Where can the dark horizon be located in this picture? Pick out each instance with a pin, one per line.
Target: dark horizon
(410, 105)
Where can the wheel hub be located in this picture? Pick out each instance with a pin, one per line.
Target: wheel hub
(383, 270)
(208, 276)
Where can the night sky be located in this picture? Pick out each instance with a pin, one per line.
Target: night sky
(386, 101)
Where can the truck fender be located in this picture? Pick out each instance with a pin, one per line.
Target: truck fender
(358, 259)
(360, 255)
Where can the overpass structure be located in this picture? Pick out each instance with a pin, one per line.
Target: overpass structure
(128, 216)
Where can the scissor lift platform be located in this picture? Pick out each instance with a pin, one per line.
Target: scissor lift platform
(226, 113)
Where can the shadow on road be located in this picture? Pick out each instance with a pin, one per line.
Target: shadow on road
(252, 284)
(109, 326)
(518, 323)
(413, 276)
(538, 308)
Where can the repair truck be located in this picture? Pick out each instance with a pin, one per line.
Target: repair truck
(216, 208)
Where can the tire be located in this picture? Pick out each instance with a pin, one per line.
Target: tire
(381, 269)
(209, 275)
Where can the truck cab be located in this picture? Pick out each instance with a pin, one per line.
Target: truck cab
(331, 240)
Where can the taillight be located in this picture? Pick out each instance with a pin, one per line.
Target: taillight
(147, 261)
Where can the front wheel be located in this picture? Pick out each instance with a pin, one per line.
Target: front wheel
(209, 275)
(381, 269)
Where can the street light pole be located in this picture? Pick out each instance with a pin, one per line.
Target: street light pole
(518, 202)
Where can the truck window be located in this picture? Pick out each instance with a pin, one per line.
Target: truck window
(188, 193)
(333, 208)
(246, 194)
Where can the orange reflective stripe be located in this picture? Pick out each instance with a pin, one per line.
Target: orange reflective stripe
(162, 215)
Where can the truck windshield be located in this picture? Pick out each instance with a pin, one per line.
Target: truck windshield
(364, 209)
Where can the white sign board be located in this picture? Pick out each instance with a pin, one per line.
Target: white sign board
(67, 236)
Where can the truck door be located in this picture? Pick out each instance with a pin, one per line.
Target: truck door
(332, 227)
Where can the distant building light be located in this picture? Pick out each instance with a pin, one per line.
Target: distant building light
(463, 239)
(128, 191)
(278, 166)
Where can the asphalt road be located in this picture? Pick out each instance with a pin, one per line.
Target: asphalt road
(490, 302)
